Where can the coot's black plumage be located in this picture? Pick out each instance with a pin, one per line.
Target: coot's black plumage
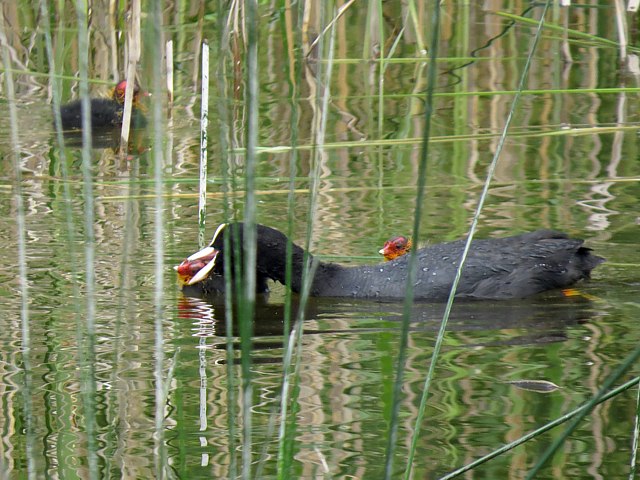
(105, 112)
(500, 268)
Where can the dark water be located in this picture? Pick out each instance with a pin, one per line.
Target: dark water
(582, 179)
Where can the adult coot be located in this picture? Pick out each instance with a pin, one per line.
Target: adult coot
(196, 278)
(500, 268)
(105, 112)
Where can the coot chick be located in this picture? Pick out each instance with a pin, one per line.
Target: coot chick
(395, 247)
(500, 268)
(105, 112)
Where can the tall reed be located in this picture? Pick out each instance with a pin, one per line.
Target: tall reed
(472, 229)
(228, 191)
(287, 424)
(86, 343)
(204, 124)
(133, 43)
(412, 269)
(27, 388)
(248, 294)
(158, 119)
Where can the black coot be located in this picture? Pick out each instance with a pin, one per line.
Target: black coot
(105, 112)
(500, 268)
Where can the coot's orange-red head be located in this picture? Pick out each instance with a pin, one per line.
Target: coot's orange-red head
(120, 89)
(396, 247)
(196, 267)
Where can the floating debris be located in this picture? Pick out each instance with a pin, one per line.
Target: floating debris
(541, 386)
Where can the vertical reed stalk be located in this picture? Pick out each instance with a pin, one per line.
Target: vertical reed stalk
(57, 121)
(181, 35)
(154, 35)
(113, 42)
(227, 188)
(411, 274)
(295, 78)
(73, 267)
(472, 229)
(293, 348)
(320, 128)
(289, 341)
(290, 382)
(169, 68)
(381, 68)
(133, 37)
(86, 348)
(636, 434)
(413, 13)
(247, 306)
(621, 23)
(71, 237)
(22, 261)
(204, 124)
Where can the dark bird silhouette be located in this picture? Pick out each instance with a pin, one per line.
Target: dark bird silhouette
(498, 268)
(105, 112)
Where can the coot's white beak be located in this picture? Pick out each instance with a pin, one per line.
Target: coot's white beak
(208, 254)
(204, 271)
(205, 252)
(217, 232)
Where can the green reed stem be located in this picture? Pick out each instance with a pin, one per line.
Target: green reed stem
(545, 428)
(417, 27)
(73, 267)
(228, 191)
(294, 79)
(290, 388)
(381, 69)
(636, 434)
(57, 121)
(247, 304)
(472, 230)
(413, 264)
(154, 36)
(622, 368)
(320, 126)
(22, 263)
(285, 438)
(290, 382)
(560, 29)
(86, 348)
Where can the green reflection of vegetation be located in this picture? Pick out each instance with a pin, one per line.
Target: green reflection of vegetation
(570, 162)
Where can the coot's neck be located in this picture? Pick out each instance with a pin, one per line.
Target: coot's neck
(272, 261)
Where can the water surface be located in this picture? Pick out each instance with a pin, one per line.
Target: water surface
(581, 179)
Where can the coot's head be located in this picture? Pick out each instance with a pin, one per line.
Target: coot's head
(120, 89)
(204, 272)
(208, 261)
(395, 247)
(270, 256)
(197, 267)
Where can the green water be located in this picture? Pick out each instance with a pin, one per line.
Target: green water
(581, 179)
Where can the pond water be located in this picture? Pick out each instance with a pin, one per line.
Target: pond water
(570, 163)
